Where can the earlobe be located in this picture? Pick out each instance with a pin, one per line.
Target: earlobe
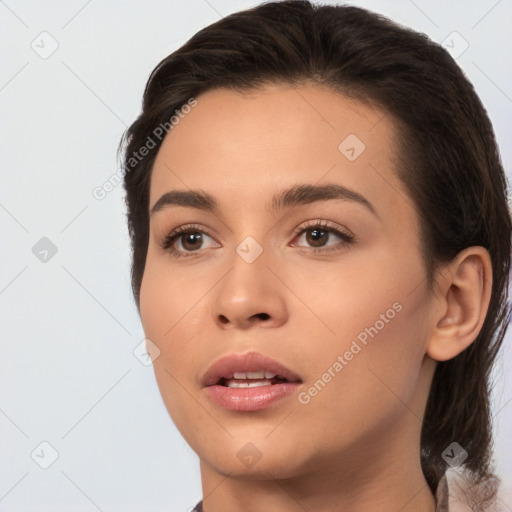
(464, 291)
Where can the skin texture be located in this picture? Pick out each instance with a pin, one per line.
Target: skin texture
(355, 445)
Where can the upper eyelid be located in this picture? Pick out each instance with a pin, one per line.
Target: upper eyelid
(323, 223)
(304, 226)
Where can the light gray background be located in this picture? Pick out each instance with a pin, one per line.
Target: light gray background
(68, 375)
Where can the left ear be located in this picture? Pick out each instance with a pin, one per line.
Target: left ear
(463, 293)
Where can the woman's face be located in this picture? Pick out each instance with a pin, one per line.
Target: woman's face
(267, 272)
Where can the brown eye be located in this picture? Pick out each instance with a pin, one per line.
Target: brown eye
(185, 239)
(191, 241)
(319, 235)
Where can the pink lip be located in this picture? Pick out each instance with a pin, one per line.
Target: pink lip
(248, 399)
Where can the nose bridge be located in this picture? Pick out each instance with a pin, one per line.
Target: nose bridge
(249, 292)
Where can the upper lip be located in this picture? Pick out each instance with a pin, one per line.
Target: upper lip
(226, 366)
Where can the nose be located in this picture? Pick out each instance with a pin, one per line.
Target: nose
(250, 295)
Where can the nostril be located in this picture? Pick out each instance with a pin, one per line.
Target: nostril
(263, 316)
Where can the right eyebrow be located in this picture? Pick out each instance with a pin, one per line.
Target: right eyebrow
(190, 198)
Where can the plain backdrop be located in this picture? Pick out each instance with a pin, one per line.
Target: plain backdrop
(74, 396)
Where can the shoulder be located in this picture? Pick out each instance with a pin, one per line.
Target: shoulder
(458, 491)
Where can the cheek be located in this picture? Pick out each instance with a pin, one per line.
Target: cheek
(365, 347)
(170, 300)
(173, 310)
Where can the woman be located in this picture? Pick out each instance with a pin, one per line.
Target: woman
(321, 249)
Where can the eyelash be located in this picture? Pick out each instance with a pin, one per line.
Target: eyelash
(168, 241)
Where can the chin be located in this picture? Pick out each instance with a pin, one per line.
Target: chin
(254, 460)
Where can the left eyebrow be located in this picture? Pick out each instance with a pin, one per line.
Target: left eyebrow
(288, 198)
(305, 194)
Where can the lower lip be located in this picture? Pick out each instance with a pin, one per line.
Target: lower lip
(250, 399)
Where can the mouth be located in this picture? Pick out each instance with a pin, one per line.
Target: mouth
(249, 382)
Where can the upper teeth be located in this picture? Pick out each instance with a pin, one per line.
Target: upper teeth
(254, 375)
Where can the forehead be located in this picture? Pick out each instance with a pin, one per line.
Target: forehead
(243, 147)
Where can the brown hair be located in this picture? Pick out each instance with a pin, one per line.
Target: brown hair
(448, 161)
